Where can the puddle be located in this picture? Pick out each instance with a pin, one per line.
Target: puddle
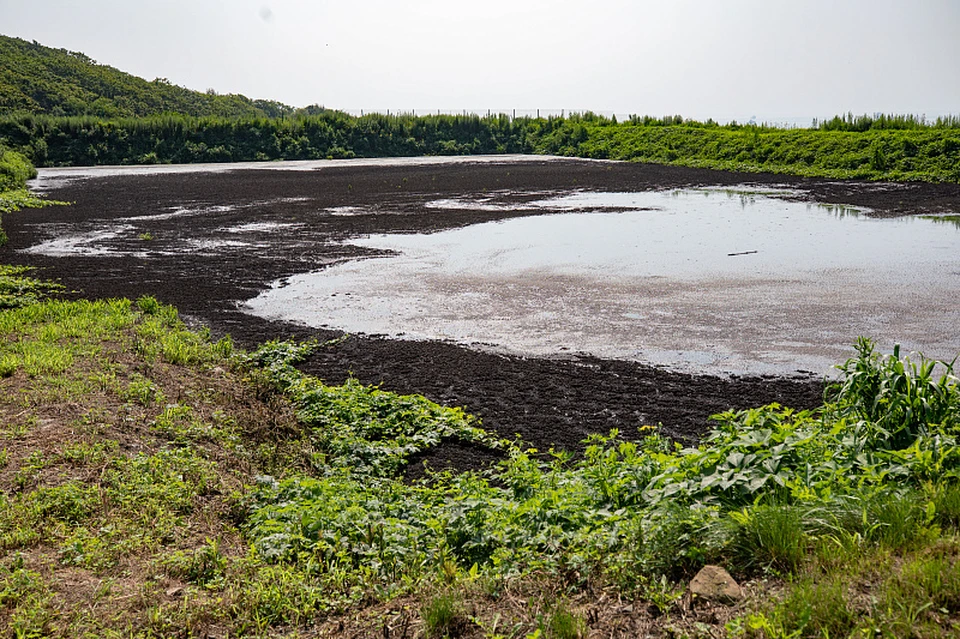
(118, 240)
(178, 212)
(347, 211)
(207, 245)
(488, 203)
(261, 227)
(88, 244)
(715, 280)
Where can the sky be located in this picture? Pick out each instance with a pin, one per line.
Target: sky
(776, 60)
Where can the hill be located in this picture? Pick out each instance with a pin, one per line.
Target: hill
(42, 80)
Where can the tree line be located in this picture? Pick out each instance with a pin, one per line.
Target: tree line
(892, 148)
(87, 140)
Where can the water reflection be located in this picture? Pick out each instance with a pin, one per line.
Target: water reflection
(714, 279)
(953, 220)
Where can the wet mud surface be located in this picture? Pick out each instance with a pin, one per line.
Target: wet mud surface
(205, 241)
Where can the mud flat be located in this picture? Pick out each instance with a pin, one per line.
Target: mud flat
(211, 239)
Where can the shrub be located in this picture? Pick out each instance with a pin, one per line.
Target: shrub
(15, 170)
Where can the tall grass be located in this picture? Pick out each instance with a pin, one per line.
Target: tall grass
(901, 398)
(883, 121)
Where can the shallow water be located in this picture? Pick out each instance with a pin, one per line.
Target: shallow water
(708, 279)
(86, 243)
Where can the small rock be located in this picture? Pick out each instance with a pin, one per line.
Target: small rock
(715, 584)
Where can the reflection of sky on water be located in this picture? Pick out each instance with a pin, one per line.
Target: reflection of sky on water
(687, 234)
(725, 280)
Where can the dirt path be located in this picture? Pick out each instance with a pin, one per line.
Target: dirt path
(169, 242)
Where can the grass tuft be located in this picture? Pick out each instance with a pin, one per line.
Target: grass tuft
(443, 615)
(770, 538)
(561, 623)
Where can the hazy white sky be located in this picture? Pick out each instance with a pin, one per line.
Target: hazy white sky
(774, 59)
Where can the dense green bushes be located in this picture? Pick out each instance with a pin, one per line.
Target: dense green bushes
(878, 463)
(15, 170)
(51, 141)
(931, 154)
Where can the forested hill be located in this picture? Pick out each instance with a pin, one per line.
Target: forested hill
(41, 80)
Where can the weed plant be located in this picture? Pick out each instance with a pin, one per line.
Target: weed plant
(17, 289)
(764, 486)
(442, 615)
(563, 624)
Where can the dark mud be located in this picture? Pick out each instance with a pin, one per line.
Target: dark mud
(546, 401)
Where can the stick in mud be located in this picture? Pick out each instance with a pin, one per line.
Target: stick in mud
(741, 253)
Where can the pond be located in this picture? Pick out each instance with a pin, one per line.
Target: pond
(717, 280)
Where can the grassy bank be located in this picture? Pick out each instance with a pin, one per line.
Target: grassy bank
(918, 154)
(157, 483)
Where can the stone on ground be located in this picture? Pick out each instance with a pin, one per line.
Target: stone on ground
(715, 584)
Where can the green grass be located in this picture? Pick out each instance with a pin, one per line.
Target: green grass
(811, 608)
(770, 539)
(99, 475)
(563, 624)
(442, 614)
(140, 458)
(913, 594)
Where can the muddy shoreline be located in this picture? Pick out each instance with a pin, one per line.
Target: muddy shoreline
(547, 401)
